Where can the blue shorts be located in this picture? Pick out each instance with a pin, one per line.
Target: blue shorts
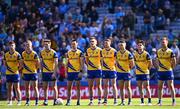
(13, 78)
(73, 76)
(30, 77)
(165, 75)
(47, 76)
(143, 77)
(108, 74)
(123, 76)
(92, 74)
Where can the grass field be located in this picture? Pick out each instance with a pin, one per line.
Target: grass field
(135, 105)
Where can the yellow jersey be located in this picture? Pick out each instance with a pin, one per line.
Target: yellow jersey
(164, 57)
(73, 64)
(48, 60)
(108, 59)
(123, 61)
(29, 62)
(142, 62)
(12, 63)
(94, 58)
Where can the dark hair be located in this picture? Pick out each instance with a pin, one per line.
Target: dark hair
(46, 40)
(165, 38)
(122, 40)
(73, 40)
(91, 38)
(109, 40)
(141, 41)
(11, 42)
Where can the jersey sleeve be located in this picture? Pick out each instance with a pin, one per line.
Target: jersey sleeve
(81, 54)
(40, 55)
(19, 57)
(172, 55)
(36, 56)
(55, 55)
(115, 53)
(148, 57)
(130, 56)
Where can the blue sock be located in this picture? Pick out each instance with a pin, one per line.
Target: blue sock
(37, 99)
(27, 100)
(142, 100)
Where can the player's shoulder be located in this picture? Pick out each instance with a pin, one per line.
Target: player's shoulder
(98, 48)
(113, 49)
(146, 52)
(52, 50)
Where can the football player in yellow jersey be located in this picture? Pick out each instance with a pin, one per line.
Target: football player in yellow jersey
(109, 70)
(30, 64)
(49, 66)
(165, 62)
(143, 63)
(12, 62)
(74, 69)
(93, 61)
(124, 64)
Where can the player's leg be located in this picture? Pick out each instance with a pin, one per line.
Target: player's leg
(18, 92)
(35, 86)
(78, 85)
(115, 92)
(171, 87)
(91, 91)
(55, 91)
(106, 90)
(140, 87)
(99, 86)
(45, 88)
(148, 91)
(122, 95)
(27, 88)
(69, 88)
(160, 91)
(128, 87)
(10, 89)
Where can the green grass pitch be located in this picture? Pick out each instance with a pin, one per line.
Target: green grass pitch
(135, 105)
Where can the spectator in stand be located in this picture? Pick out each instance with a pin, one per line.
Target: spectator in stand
(129, 20)
(89, 5)
(119, 17)
(77, 15)
(93, 14)
(160, 20)
(176, 50)
(167, 8)
(147, 23)
(63, 8)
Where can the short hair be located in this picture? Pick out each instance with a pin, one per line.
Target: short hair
(91, 38)
(11, 42)
(109, 40)
(73, 40)
(122, 40)
(141, 41)
(46, 40)
(165, 38)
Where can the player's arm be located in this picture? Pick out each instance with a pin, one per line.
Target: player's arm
(149, 60)
(4, 61)
(86, 58)
(131, 61)
(81, 62)
(66, 64)
(56, 65)
(37, 61)
(156, 63)
(173, 60)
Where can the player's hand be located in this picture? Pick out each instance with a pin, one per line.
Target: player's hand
(80, 75)
(53, 75)
(65, 75)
